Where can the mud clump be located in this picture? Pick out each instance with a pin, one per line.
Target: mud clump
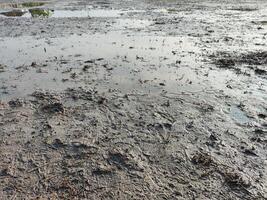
(235, 180)
(260, 71)
(225, 63)
(53, 108)
(230, 61)
(103, 170)
(119, 159)
(16, 103)
(254, 58)
(250, 152)
(123, 160)
(57, 143)
(202, 159)
(263, 23)
(244, 9)
(262, 116)
(13, 13)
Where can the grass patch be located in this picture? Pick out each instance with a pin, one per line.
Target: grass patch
(40, 12)
(32, 4)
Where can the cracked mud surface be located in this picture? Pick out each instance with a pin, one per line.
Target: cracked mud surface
(134, 100)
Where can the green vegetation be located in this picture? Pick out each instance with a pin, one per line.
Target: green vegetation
(32, 4)
(40, 12)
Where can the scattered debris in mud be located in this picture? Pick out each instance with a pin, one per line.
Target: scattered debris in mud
(202, 159)
(253, 60)
(16, 103)
(63, 147)
(53, 108)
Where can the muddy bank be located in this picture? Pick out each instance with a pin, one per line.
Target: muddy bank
(124, 146)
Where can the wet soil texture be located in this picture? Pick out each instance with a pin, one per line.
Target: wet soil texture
(133, 99)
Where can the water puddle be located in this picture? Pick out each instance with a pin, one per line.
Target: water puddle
(126, 62)
(238, 115)
(132, 23)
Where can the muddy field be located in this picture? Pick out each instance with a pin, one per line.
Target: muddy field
(138, 99)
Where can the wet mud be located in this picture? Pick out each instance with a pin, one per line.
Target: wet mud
(133, 100)
(255, 61)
